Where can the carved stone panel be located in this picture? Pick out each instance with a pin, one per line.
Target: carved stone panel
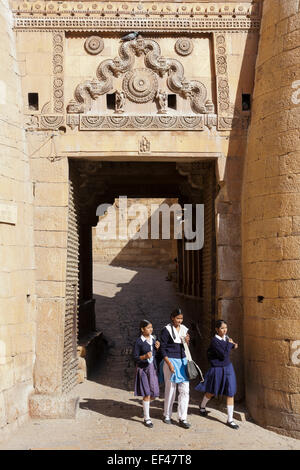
(58, 71)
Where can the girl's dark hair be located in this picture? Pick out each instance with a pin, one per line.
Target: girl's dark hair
(176, 312)
(219, 323)
(145, 323)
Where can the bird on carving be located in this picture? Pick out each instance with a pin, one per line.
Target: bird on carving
(130, 36)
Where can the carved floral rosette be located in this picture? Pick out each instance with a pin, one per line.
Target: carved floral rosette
(184, 46)
(94, 45)
(140, 85)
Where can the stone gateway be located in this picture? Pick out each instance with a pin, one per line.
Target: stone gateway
(199, 107)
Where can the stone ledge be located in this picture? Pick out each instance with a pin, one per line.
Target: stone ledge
(53, 406)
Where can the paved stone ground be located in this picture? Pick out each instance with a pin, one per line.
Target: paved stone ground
(109, 416)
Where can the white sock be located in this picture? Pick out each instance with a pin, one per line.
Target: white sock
(230, 413)
(146, 407)
(204, 402)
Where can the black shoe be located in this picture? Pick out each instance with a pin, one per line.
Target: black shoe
(167, 421)
(203, 412)
(232, 425)
(184, 424)
(148, 423)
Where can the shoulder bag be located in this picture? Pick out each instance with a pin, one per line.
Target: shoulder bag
(193, 370)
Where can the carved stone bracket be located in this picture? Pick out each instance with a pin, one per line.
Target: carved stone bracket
(140, 84)
(195, 173)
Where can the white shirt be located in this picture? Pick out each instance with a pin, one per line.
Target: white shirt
(150, 342)
(178, 334)
(224, 338)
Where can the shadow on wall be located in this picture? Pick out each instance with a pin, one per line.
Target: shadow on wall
(228, 203)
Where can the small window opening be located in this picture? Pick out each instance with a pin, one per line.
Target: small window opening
(33, 101)
(246, 102)
(172, 102)
(111, 101)
(260, 298)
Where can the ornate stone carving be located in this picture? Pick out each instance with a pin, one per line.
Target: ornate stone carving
(162, 98)
(162, 122)
(140, 85)
(94, 45)
(120, 102)
(211, 121)
(32, 122)
(46, 109)
(190, 121)
(142, 121)
(58, 70)
(136, 16)
(184, 46)
(73, 120)
(117, 121)
(223, 100)
(144, 145)
(92, 122)
(51, 122)
(166, 121)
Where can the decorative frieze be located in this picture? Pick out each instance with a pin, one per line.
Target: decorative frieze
(146, 16)
(139, 122)
(161, 122)
(186, 25)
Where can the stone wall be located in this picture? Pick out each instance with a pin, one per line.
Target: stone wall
(17, 267)
(158, 253)
(271, 266)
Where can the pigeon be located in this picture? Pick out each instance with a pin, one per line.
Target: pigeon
(130, 36)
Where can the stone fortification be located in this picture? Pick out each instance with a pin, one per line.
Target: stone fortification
(17, 269)
(271, 224)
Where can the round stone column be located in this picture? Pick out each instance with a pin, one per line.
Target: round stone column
(271, 225)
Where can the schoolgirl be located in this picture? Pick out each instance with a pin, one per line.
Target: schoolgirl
(220, 378)
(173, 368)
(146, 379)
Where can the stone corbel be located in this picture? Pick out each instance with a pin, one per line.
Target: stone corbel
(194, 178)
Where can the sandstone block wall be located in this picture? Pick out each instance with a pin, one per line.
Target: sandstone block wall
(17, 266)
(271, 195)
(158, 253)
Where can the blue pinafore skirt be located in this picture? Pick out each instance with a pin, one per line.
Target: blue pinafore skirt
(219, 381)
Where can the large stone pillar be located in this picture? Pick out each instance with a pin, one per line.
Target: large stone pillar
(271, 226)
(17, 263)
